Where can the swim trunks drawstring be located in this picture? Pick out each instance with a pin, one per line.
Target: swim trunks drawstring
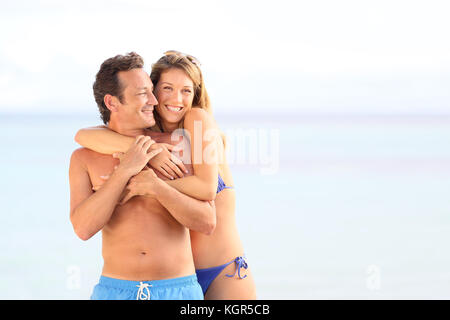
(240, 263)
(141, 295)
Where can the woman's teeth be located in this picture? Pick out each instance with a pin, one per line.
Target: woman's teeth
(174, 109)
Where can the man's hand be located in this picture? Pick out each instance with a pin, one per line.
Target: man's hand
(142, 184)
(137, 157)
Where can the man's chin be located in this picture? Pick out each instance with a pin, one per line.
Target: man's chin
(148, 120)
(150, 123)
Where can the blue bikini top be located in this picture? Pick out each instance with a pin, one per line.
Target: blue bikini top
(221, 185)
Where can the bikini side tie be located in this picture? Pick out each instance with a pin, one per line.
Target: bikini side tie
(240, 263)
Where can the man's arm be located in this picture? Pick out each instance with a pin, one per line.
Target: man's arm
(89, 211)
(194, 214)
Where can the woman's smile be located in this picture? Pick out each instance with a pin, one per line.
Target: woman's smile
(175, 109)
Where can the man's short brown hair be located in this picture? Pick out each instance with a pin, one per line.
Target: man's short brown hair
(107, 80)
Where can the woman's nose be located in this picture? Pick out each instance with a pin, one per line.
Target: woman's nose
(179, 97)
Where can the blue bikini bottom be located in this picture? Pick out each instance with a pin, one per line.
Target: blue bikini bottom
(206, 276)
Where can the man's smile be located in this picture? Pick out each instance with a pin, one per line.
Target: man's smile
(147, 110)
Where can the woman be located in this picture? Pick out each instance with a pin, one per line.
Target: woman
(184, 103)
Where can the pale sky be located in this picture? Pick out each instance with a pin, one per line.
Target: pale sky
(257, 56)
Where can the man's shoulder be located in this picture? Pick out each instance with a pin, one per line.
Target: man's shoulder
(82, 154)
(79, 152)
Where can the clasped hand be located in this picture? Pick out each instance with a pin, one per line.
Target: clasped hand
(144, 182)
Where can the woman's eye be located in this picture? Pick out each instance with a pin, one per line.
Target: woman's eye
(187, 91)
(167, 88)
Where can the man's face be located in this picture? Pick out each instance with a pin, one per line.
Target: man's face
(136, 108)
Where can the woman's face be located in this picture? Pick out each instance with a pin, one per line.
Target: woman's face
(175, 93)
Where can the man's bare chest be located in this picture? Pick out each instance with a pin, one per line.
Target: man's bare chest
(100, 167)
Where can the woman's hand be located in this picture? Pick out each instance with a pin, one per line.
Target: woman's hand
(166, 163)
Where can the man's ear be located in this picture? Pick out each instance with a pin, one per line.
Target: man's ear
(111, 102)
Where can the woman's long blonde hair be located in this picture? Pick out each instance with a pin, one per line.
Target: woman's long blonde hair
(190, 65)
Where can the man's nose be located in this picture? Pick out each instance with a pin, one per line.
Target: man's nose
(152, 99)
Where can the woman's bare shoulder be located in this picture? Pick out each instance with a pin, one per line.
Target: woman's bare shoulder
(197, 114)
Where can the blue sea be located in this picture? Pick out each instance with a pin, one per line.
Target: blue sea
(328, 206)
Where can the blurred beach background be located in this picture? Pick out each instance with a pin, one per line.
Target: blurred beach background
(342, 110)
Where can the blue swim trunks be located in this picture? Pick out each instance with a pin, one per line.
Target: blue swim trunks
(183, 288)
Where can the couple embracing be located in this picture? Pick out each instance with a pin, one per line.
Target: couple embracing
(165, 205)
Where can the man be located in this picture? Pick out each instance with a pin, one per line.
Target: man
(146, 245)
